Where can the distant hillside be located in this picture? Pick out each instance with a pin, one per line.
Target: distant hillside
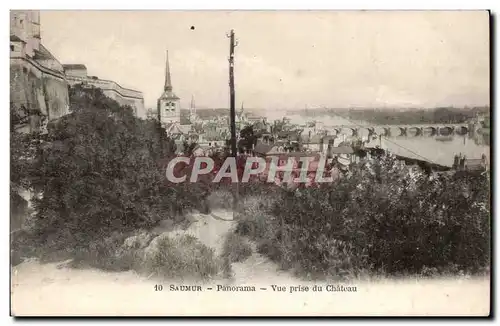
(373, 116)
(210, 113)
(398, 116)
(207, 113)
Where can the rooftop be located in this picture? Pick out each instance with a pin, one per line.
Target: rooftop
(15, 38)
(169, 95)
(342, 150)
(43, 54)
(74, 66)
(263, 148)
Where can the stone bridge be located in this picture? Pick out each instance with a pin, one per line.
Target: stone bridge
(415, 130)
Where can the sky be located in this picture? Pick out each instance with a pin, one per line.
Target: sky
(284, 59)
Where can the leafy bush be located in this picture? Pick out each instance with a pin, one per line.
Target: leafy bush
(220, 199)
(98, 172)
(23, 245)
(102, 253)
(383, 217)
(236, 248)
(181, 257)
(255, 218)
(115, 252)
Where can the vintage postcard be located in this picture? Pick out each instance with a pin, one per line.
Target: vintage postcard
(250, 163)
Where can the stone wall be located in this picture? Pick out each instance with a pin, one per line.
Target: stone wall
(124, 96)
(37, 88)
(25, 24)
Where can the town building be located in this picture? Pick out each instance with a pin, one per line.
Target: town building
(282, 158)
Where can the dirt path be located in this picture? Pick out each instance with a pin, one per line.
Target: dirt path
(48, 290)
(210, 229)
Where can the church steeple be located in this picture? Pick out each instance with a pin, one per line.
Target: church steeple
(168, 103)
(192, 108)
(168, 81)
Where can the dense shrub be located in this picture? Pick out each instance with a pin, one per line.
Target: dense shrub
(220, 199)
(181, 257)
(254, 218)
(236, 248)
(383, 217)
(98, 172)
(102, 253)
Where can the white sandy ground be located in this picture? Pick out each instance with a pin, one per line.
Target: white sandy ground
(44, 289)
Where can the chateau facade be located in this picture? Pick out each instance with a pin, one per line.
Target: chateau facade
(37, 80)
(77, 74)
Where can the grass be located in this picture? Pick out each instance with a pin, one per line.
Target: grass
(236, 248)
(220, 199)
(181, 257)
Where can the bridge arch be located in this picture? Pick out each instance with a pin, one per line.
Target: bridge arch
(394, 131)
(462, 130)
(365, 132)
(414, 131)
(429, 131)
(382, 131)
(446, 131)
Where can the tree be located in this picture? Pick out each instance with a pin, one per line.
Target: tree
(248, 139)
(387, 217)
(100, 171)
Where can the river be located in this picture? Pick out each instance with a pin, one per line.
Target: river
(439, 150)
(436, 150)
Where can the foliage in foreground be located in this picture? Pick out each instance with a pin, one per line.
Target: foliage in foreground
(236, 248)
(383, 218)
(98, 172)
(153, 255)
(181, 257)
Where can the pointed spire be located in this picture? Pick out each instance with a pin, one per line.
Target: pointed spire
(168, 81)
(192, 108)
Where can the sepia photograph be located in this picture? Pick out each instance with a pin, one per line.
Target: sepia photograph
(326, 163)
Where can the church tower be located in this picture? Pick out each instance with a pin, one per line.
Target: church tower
(169, 110)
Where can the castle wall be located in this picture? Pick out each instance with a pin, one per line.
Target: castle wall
(26, 86)
(76, 72)
(38, 88)
(56, 95)
(124, 96)
(51, 64)
(38, 80)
